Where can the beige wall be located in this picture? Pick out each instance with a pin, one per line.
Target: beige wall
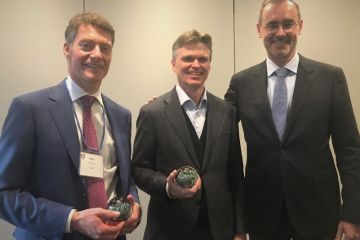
(32, 38)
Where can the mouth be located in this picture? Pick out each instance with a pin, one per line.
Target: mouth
(280, 42)
(94, 66)
(194, 74)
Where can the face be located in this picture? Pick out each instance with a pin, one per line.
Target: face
(279, 28)
(191, 65)
(89, 57)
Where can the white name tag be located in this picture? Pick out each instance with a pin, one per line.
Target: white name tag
(91, 165)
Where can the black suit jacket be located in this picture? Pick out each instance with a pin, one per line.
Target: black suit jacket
(300, 170)
(163, 143)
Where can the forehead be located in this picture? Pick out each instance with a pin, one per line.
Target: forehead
(193, 48)
(279, 12)
(90, 32)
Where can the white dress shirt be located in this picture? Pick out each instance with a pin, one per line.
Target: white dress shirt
(196, 114)
(107, 148)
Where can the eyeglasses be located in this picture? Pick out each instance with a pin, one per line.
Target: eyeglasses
(287, 26)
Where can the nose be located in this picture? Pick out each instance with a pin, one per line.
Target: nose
(280, 30)
(96, 52)
(195, 63)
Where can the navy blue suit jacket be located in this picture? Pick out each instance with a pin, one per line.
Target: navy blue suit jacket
(39, 149)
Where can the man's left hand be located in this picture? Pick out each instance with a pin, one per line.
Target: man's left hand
(133, 221)
(240, 237)
(350, 231)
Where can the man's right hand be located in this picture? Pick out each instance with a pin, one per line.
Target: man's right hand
(177, 191)
(97, 223)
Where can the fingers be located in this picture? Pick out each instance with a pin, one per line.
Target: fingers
(339, 232)
(130, 199)
(180, 192)
(107, 215)
(97, 223)
(197, 185)
(171, 177)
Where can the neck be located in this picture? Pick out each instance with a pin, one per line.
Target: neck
(281, 61)
(89, 88)
(195, 94)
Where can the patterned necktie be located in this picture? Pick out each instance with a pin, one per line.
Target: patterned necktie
(279, 104)
(96, 188)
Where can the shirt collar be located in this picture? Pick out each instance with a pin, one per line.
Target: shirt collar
(292, 65)
(183, 97)
(77, 92)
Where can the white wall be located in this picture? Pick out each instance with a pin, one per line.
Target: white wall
(33, 32)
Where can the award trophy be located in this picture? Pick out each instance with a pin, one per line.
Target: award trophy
(186, 177)
(122, 206)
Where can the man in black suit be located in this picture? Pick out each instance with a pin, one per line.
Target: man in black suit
(291, 179)
(189, 126)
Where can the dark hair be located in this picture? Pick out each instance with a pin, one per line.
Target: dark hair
(192, 36)
(87, 18)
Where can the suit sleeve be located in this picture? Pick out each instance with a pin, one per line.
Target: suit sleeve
(231, 96)
(132, 186)
(236, 180)
(346, 142)
(18, 206)
(144, 158)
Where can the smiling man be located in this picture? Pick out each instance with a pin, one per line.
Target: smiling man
(290, 107)
(65, 150)
(189, 126)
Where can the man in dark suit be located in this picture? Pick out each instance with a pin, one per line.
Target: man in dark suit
(44, 182)
(189, 126)
(291, 179)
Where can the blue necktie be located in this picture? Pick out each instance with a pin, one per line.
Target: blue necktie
(279, 104)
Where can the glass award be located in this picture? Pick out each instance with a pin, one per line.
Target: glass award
(120, 205)
(186, 177)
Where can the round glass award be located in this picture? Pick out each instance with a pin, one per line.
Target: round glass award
(186, 177)
(122, 206)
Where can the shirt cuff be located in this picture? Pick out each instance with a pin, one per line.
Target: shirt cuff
(68, 222)
(168, 192)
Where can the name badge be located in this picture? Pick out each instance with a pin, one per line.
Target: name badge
(91, 165)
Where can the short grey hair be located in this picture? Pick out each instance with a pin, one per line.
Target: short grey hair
(266, 2)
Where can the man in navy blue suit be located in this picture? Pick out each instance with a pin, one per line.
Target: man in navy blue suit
(43, 181)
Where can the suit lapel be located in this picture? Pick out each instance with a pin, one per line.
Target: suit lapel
(214, 118)
(120, 131)
(302, 86)
(261, 102)
(60, 107)
(175, 115)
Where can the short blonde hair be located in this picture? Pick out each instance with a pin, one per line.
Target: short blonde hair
(192, 36)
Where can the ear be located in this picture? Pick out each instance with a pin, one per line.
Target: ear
(258, 28)
(173, 64)
(66, 49)
(300, 26)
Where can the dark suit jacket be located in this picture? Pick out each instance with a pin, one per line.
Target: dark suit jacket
(163, 143)
(39, 161)
(300, 170)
